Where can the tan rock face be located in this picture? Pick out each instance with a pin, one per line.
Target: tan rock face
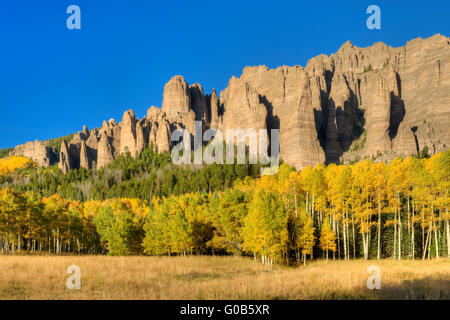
(141, 141)
(64, 158)
(378, 101)
(128, 133)
(214, 107)
(36, 151)
(176, 97)
(84, 159)
(291, 105)
(153, 113)
(163, 137)
(105, 154)
(242, 107)
(397, 91)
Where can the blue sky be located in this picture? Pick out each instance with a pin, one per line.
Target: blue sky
(54, 80)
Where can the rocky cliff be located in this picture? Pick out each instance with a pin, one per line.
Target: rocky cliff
(379, 102)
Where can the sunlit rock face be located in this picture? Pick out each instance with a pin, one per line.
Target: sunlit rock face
(379, 102)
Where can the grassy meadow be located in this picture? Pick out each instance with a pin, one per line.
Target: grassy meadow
(209, 277)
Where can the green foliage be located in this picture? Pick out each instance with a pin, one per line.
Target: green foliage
(266, 226)
(360, 143)
(227, 214)
(178, 225)
(367, 209)
(55, 146)
(368, 68)
(120, 229)
(424, 152)
(5, 152)
(147, 176)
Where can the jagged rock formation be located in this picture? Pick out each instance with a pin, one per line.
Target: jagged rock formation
(64, 158)
(378, 102)
(128, 133)
(213, 101)
(36, 151)
(105, 153)
(84, 158)
(176, 98)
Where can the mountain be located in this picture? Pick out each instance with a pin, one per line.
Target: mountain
(379, 102)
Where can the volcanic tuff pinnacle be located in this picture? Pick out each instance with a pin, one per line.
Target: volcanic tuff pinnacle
(377, 101)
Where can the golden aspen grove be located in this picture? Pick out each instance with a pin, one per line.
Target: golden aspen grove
(366, 210)
(10, 164)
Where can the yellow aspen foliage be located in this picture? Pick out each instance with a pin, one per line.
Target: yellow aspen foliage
(306, 238)
(9, 164)
(327, 238)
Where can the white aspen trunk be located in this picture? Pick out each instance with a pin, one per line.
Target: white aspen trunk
(429, 245)
(448, 237)
(364, 244)
(345, 239)
(436, 240)
(423, 233)
(354, 242)
(57, 240)
(426, 244)
(336, 232)
(7, 243)
(348, 239)
(409, 216)
(395, 234)
(367, 245)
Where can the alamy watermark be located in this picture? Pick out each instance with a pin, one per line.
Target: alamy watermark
(374, 20)
(74, 280)
(239, 140)
(374, 280)
(74, 20)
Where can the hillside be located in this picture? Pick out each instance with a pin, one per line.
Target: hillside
(376, 102)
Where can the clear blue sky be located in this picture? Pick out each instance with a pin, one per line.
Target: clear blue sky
(54, 80)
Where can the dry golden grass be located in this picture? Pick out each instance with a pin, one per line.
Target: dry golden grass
(102, 277)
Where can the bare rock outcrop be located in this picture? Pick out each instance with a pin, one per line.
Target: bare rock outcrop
(84, 159)
(128, 133)
(176, 98)
(141, 141)
(377, 102)
(214, 107)
(36, 151)
(65, 163)
(242, 106)
(162, 139)
(105, 154)
(288, 98)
